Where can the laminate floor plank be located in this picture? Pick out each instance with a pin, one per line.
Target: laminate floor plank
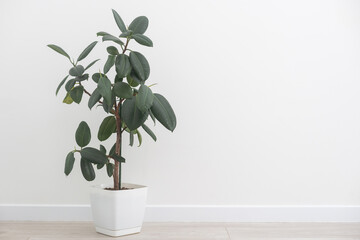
(332, 231)
(184, 231)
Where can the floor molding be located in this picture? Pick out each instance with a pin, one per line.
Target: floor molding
(190, 213)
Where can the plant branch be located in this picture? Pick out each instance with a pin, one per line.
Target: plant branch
(126, 45)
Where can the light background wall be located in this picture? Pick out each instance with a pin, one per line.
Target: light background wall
(266, 95)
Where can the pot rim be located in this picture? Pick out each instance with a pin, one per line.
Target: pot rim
(132, 187)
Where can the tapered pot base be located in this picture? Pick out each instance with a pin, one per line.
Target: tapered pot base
(118, 212)
(118, 233)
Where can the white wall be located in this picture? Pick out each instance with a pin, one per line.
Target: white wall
(266, 95)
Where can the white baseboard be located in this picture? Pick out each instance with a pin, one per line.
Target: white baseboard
(190, 213)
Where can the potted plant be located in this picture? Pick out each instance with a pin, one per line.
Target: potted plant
(127, 101)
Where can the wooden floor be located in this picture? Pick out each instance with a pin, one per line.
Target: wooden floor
(184, 231)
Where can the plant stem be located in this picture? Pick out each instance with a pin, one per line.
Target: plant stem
(117, 167)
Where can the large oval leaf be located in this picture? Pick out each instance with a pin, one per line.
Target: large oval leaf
(112, 50)
(82, 77)
(122, 64)
(83, 134)
(87, 170)
(110, 169)
(94, 98)
(102, 33)
(86, 51)
(143, 40)
(110, 37)
(123, 90)
(163, 112)
(133, 80)
(59, 50)
(68, 99)
(76, 93)
(93, 155)
(148, 131)
(139, 24)
(102, 149)
(104, 86)
(112, 150)
(107, 108)
(109, 63)
(76, 71)
(106, 128)
(69, 163)
(126, 34)
(131, 115)
(70, 84)
(60, 84)
(96, 76)
(119, 21)
(140, 65)
(144, 99)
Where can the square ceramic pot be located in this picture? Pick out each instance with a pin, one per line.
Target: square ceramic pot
(118, 212)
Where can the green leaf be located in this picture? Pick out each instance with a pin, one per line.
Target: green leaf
(90, 65)
(119, 21)
(102, 34)
(110, 37)
(163, 112)
(144, 99)
(152, 116)
(118, 79)
(131, 115)
(69, 163)
(107, 108)
(60, 84)
(100, 165)
(131, 141)
(77, 71)
(87, 170)
(104, 86)
(126, 34)
(76, 93)
(59, 50)
(94, 98)
(70, 84)
(143, 40)
(140, 65)
(112, 50)
(118, 158)
(109, 63)
(133, 80)
(68, 99)
(139, 137)
(86, 51)
(139, 24)
(82, 78)
(96, 76)
(109, 169)
(102, 149)
(107, 128)
(93, 155)
(148, 131)
(112, 150)
(83, 134)
(122, 64)
(123, 90)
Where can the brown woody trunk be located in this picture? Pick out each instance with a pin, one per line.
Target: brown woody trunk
(117, 168)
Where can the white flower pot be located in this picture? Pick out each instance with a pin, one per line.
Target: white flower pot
(118, 212)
